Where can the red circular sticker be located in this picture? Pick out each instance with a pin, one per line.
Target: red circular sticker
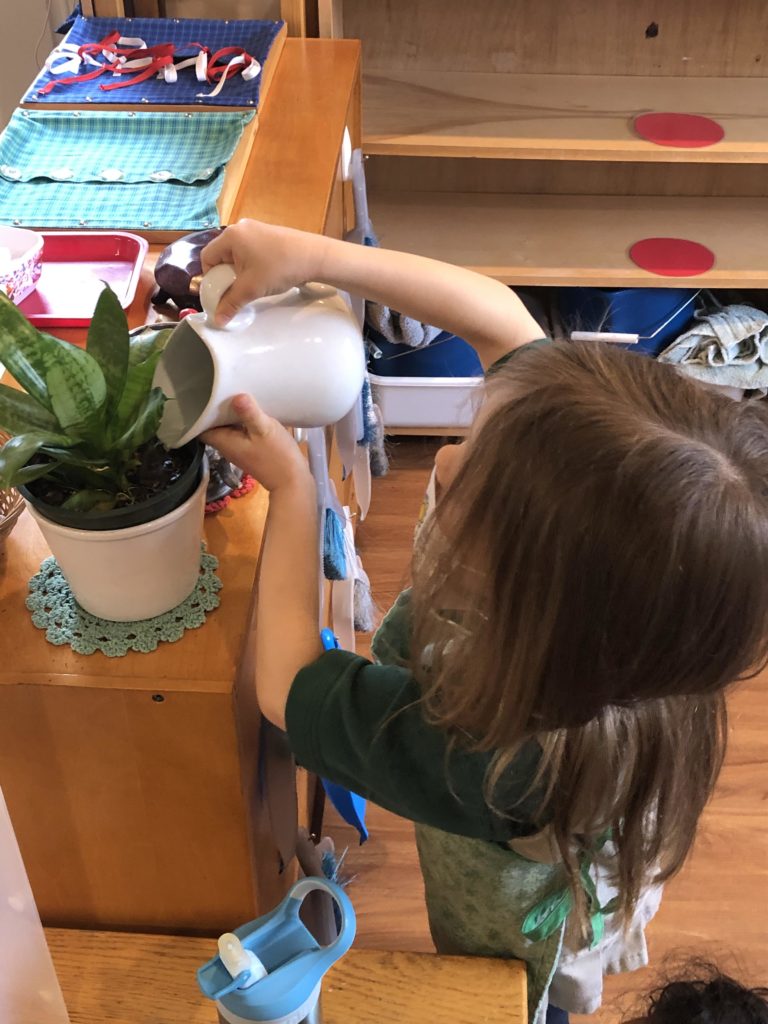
(686, 131)
(672, 257)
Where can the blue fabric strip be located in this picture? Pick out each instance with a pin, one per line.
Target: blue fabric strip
(349, 806)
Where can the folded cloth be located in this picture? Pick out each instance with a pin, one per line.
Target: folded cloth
(727, 348)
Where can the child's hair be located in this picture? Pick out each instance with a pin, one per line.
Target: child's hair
(707, 997)
(605, 541)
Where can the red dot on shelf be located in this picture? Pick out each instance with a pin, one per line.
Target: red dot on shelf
(672, 257)
(686, 131)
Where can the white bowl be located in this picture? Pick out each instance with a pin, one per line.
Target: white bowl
(21, 262)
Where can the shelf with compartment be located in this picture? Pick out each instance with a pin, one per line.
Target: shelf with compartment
(574, 240)
(417, 112)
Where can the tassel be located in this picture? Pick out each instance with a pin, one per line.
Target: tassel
(379, 457)
(365, 608)
(334, 559)
(369, 415)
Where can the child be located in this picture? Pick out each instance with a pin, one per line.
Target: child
(706, 997)
(548, 701)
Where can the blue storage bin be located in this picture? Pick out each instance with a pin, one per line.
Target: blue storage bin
(447, 356)
(656, 315)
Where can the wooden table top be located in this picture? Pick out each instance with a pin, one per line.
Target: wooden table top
(289, 179)
(110, 978)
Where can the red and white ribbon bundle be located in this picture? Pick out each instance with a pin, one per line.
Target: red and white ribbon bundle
(133, 62)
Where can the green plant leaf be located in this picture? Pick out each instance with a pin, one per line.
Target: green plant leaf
(145, 423)
(145, 344)
(87, 501)
(78, 393)
(75, 474)
(29, 473)
(19, 413)
(17, 452)
(22, 349)
(108, 343)
(138, 385)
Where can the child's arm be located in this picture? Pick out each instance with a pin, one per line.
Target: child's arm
(270, 259)
(287, 624)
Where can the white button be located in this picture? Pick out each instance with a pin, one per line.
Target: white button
(161, 175)
(112, 174)
(62, 173)
(10, 172)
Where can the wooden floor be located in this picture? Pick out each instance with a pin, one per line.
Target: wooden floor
(717, 907)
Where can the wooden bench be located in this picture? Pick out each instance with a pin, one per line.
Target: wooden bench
(110, 978)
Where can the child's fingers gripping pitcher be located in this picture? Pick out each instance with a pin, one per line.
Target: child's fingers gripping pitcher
(548, 702)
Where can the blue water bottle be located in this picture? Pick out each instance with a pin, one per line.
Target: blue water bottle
(271, 970)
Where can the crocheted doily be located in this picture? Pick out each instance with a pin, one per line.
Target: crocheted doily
(55, 610)
(246, 486)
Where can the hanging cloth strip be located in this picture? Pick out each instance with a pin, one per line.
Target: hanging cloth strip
(154, 53)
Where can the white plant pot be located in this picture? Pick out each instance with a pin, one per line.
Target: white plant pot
(134, 573)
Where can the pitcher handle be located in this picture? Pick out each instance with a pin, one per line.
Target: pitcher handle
(213, 285)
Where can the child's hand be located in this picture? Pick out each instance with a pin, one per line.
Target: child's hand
(267, 260)
(259, 445)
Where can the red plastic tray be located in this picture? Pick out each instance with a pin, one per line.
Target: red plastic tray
(74, 266)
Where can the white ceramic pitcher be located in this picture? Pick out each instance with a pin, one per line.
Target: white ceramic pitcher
(300, 354)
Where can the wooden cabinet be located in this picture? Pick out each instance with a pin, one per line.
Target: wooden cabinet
(134, 783)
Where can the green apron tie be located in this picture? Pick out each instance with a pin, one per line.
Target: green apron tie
(549, 914)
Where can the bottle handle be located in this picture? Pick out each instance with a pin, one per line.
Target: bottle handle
(328, 955)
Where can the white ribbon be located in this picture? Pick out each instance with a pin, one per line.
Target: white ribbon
(70, 59)
(65, 58)
(249, 72)
(200, 64)
(132, 65)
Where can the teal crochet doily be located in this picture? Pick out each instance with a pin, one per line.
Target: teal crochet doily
(55, 610)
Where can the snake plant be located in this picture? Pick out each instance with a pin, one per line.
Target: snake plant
(83, 415)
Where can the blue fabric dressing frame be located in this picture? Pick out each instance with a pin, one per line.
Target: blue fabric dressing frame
(255, 37)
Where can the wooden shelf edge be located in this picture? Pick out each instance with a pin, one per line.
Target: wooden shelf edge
(565, 150)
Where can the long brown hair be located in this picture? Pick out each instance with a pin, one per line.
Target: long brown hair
(596, 575)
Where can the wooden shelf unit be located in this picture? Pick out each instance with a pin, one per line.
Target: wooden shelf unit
(500, 134)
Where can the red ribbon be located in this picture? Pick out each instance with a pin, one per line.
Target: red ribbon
(228, 52)
(139, 74)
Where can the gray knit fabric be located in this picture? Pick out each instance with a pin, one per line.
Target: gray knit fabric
(726, 348)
